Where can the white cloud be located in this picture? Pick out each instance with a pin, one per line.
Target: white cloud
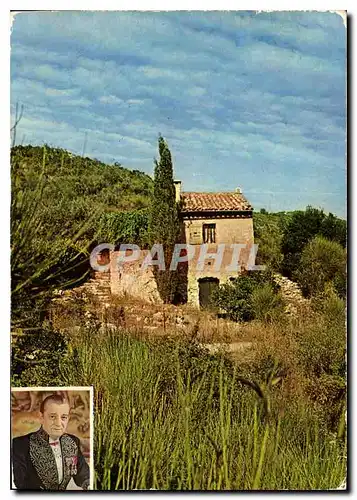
(158, 73)
(138, 102)
(110, 99)
(59, 92)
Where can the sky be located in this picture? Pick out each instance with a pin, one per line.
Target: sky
(244, 99)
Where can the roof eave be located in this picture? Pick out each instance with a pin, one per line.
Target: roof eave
(212, 213)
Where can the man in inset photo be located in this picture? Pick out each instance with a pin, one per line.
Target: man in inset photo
(49, 458)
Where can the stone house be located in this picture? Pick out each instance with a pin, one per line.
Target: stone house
(218, 227)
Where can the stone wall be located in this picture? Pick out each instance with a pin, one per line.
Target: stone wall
(228, 230)
(291, 293)
(129, 278)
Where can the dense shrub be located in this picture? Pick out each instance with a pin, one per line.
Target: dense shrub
(322, 261)
(267, 304)
(322, 356)
(241, 300)
(330, 304)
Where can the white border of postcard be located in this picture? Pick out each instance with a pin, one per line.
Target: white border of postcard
(91, 433)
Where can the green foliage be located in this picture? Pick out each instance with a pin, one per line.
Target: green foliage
(304, 226)
(283, 238)
(164, 224)
(164, 220)
(241, 301)
(323, 350)
(268, 235)
(125, 227)
(322, 354)
(334, 229)
(77, 189)
(322, 261)
(43, 254)
(330, 304)
(266, 303)
(36, 356)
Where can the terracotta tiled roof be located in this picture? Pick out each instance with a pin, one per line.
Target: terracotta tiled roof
(214, 202)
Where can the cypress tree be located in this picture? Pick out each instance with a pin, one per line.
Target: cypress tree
(164, 220)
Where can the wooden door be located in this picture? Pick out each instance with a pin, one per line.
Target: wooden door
(206, 287)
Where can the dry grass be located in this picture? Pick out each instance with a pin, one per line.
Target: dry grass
(249, 344)
(157, 320)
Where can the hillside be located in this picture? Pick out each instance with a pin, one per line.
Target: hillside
(75, 188)
(61, 206)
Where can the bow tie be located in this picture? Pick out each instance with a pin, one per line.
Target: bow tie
(54, 443)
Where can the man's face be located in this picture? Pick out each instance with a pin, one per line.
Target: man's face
(55, 419)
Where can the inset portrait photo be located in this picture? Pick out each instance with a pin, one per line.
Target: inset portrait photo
(52, 438)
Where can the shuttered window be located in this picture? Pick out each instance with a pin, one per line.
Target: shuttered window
(196, 234)
(209, 233)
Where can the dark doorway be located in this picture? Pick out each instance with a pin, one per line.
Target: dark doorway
(206, 287)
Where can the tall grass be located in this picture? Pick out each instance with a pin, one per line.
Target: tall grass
(172, 417)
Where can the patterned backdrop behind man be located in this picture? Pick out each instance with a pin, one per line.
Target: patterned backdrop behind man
(51, 439)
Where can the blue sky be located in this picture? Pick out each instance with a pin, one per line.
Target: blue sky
(243, 99)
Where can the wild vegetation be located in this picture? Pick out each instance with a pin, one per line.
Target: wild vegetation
(253, 295)
(283, 239)
(83, 191)
(322, 262)
(62, 205)
(169, 414)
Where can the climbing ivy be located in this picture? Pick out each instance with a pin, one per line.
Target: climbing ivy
(124, 227)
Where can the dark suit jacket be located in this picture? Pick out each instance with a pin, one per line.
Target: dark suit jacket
(34, 465)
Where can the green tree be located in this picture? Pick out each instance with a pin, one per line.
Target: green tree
(322, 262)
(164, 220)
(268, 235)
(334, 229)
(302, 227)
